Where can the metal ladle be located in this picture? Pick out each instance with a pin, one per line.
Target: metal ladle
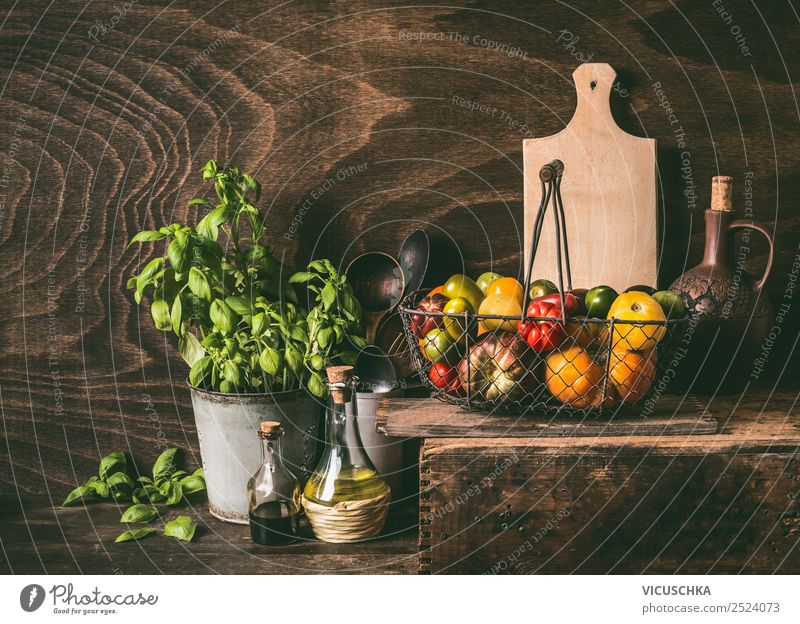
(375, 371)
(378, 284)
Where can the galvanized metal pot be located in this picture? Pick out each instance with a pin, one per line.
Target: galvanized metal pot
(227, 426)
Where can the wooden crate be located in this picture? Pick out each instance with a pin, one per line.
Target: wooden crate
(629, 503)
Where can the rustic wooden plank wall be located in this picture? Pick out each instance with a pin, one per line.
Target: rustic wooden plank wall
(374, 118)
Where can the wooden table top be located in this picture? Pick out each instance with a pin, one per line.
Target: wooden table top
(37, 537)
(761, 420)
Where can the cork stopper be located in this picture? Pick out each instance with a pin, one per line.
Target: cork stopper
(270, 430)
(722, 193)
(340, 375)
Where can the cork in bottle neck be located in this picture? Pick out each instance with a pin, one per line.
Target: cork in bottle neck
(722, 193)
(339, 378)
(270, 430)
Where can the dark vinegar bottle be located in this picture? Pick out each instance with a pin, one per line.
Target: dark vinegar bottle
(273, 493)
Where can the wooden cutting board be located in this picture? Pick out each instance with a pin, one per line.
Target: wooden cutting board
(608, 189)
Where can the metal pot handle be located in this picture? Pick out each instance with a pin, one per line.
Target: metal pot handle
(743, 224)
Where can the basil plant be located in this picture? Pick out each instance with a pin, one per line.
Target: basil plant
(239, 324)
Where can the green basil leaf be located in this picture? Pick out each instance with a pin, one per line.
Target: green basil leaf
(232, 373)
(112, 463)
(160, 311)
(149, 493)
(119, 479)
(301, 277)
(182, 528)
(200, 371)
(240, 305)
(193, 484)
(165, 464)
(270, 360)
(294, 359)
(296, 332)
(146, 236)
(328, 295)
(100, 488)
(316, 385)
(146, 276)
(223, 317)
(78, 492)
(176, 494)
(139, 513)
(198, 284)
(358, 341)
(210, 170)
(134, 534)
(176, 315)
(190, 348)
(176, 252)
(259, 323)
(324, 336)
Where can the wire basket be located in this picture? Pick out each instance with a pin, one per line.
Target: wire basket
(550, 363)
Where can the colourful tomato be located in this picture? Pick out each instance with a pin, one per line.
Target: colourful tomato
(500, 305)
(507, 286)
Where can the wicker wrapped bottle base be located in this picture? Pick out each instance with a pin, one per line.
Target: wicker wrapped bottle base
(347, 521)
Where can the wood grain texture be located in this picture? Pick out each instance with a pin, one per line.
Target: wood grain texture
(363, 120)
(697, 504)
(514, 510)
(609, 179)
(38, 538)
(430, 418)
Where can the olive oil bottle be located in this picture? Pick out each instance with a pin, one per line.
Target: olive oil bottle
(345, 499)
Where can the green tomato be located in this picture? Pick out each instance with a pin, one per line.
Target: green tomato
(461, 286)
(672, 304)
(599, 301)
(484, 279)
(440, 347)
(541, 287)
(455, 327)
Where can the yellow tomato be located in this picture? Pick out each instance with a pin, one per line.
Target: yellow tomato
(507, 286)
(500, 305)
(630, 335)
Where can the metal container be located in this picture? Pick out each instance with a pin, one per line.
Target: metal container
(227, 426)
(386, 452)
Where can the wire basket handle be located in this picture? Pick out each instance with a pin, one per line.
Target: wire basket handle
(550, 178)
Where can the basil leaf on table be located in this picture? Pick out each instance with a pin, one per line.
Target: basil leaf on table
(100, 488)
(78, 492)
(148, 492)
(193, 484)
(165, 464)
(138, 513)
(175, 495)
(182, 528)
(113, 463)
(134, 534)
(118, 479)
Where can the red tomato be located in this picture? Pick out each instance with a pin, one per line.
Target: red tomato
(442, 376)
(543, 335)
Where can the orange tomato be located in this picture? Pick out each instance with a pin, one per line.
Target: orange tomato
(507, 286)
(574, 378)
(631, 374)
(436, 291)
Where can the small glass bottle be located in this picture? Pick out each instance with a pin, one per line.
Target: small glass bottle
(345, 499)
(273, 493)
